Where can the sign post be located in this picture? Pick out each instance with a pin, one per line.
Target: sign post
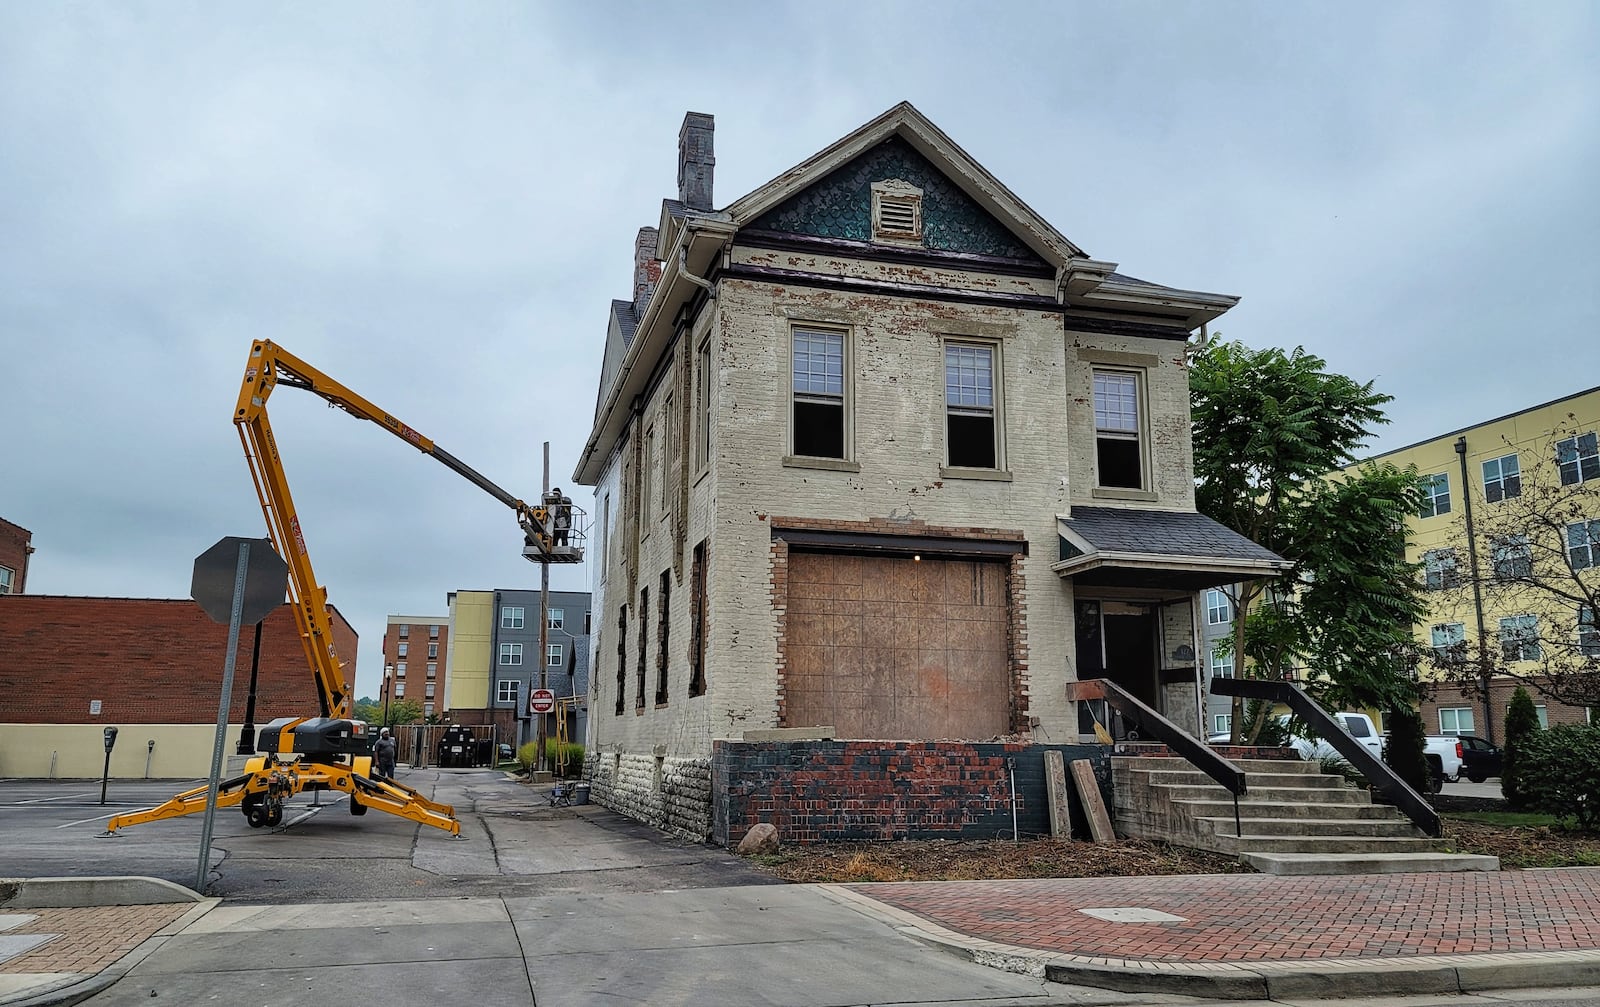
(236, 580)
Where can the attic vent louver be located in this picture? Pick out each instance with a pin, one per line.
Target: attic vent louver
(896, 212)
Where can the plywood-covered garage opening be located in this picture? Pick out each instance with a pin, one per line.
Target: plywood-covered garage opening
(895, 647)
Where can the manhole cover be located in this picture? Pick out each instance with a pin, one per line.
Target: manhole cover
(1133, 914)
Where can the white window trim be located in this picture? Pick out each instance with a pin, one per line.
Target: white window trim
(510, 655)
(508, 620)
(500, 690)
(1458, 711)
(555, 650)
(1141, 437)
(1226, 608)
(1431, 498)
(997, 408)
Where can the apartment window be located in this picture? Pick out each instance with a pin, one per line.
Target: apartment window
(663, 629)
(1519, 638)
(588, 623)
(432, 669)
(1502, 478)
(1222, 723)
(1447, 640)
(433, 651)
(972, 430)
(1588, 632)
(1578, 458)
(405, 631)
(1455, 720)
(1222, 664)
(647, 465)
(1513, 558)
(622, 657)
(697, 621)
(511, 654)
(1439, 569)
(703, 405)
(433, 632)
(511, 617)
(1583, 544)
(506, 691)
(6, 580)
(553, 654)
(427, 709)
(1435, 495)
(556, 618)
(644, 644)
(400, 649)
(1218, 609)
(818, 399)
(400, 669)
(1119, 458)
(428, 694)
(399, 690)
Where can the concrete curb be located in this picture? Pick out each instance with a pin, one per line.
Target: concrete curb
(81, 893)
(78, 990)
(1297, 979)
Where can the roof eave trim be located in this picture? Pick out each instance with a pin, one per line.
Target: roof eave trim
(1248, 568)
(1193, 306)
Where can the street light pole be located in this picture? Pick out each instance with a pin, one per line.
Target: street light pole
(388, 673)
(1485, 672)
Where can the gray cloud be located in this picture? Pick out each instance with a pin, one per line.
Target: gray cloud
(435, 204)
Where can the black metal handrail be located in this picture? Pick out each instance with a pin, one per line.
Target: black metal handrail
(1198, 754)
(1377, 772)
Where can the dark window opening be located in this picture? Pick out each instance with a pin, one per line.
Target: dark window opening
(1118, 463)
(622, 657)
(663, 628)
(819, 429)
(697, 622)
(644, 643)
(971, 441)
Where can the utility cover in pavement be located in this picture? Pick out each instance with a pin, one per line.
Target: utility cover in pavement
(266, 580)
(1133, 914)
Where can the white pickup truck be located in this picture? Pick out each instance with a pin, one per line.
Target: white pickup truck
(1443, 751)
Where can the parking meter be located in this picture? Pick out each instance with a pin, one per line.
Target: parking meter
(105, 774)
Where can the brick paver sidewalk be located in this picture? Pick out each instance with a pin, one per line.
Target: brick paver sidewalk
(1261, 918)
(87, 940)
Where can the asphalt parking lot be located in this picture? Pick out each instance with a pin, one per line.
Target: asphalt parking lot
(513, 843)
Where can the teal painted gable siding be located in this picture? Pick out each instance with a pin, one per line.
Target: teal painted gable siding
(840, 206)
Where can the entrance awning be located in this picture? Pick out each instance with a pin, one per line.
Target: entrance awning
(1177, 550)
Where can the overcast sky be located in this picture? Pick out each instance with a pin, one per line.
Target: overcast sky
(435, 204)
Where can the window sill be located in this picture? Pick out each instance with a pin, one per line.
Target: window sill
(701, 476)
(1119, 493)
(962, 472)
(826, 464)
(661, 706)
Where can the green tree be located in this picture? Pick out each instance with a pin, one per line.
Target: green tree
(1406, 751)
(1269, 427)
(1522, 723)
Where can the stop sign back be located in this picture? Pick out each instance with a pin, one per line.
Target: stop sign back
(542, 701)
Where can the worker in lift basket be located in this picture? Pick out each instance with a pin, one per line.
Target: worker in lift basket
(383, 752)
(561, 521)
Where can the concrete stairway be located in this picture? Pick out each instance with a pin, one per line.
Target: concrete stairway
(1294, 819)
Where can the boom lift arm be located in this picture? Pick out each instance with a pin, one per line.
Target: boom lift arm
(332, 751)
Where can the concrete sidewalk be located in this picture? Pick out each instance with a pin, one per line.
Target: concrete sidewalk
(1080, 941)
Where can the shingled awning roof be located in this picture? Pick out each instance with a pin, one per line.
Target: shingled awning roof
(1185, 550)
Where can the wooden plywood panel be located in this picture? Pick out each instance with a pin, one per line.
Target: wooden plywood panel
(891, 648)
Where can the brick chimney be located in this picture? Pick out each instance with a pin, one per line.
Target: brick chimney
(695, 161)
(646, 268)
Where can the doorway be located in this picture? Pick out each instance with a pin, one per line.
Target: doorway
(1116, 640)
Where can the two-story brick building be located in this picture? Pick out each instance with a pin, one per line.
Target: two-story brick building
(16, 546)
(880, 455)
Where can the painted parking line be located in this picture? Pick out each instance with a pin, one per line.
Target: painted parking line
(63, 797)
(85, 821)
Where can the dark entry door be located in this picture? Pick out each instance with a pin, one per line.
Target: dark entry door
(1116, 641)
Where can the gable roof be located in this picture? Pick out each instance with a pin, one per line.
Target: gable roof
(928, 140)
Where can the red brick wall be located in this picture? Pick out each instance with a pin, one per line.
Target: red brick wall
(1442, 695)
(149, 661)
(416, 660)
(14, 548)
(817, 791)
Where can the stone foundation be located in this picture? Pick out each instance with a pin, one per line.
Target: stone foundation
(673, 794)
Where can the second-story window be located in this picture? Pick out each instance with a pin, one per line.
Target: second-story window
(1583, 544)
(1439, 569)
(702, 369)
(510, 654)
(972, 430)
(511, 617)
(1435, 495)
(553, 655)
(556, 618)
(1513, 557)
(1578, 458)
(1218, 609)
(1502, 478)
(1119, 455)
(647, 468)
(818, 394)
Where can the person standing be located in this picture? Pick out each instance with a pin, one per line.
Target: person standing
(383, 754)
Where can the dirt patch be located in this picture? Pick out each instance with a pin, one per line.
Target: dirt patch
(975, 860)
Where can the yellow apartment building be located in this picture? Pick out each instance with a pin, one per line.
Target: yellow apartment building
(1516, 499)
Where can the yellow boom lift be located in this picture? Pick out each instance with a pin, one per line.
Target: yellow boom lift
(333, 751)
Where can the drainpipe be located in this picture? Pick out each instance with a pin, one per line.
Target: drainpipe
(1477, 594)
(699, 281)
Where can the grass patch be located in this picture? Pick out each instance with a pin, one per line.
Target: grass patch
(1523, 819)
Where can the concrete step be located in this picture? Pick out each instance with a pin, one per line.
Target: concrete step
(1284, 795)
(1367, 863)
(1248, 765)
(1249, 807)
(1325, 844)
(1193, 777)
(1320, 827)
